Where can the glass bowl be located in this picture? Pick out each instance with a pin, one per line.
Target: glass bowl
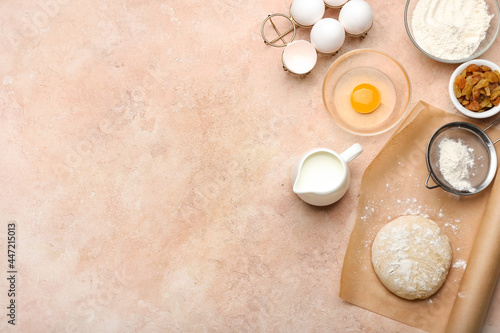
(378, 69)
(477, 115)
(491, 33)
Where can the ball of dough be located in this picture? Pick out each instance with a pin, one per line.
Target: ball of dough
(411, 256)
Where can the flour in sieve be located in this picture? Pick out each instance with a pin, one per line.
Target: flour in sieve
(450, 29)
(455, 162)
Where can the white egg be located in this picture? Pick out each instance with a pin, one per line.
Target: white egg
(327, 35)
(356, 16)
(307, 12)
(335, 3)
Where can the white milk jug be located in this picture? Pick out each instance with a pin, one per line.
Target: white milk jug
(321, 176)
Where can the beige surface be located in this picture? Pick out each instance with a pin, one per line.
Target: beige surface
(146, 158)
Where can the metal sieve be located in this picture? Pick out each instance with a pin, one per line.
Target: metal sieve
(482, 151)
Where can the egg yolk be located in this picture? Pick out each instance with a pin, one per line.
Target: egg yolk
(365, 98)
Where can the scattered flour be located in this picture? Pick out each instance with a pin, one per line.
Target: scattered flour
(460, 264)
(450, 29)
(454, 227)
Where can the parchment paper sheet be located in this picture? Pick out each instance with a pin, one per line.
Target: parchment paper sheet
(392, 186)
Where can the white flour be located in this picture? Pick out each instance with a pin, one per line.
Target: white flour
(460, 264)
(455, 162)
(450, 29)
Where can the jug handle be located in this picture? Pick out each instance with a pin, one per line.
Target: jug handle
(352, 152)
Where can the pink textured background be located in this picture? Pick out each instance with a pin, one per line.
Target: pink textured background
(147, 148)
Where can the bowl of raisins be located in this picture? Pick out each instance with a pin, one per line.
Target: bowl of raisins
(474, 88)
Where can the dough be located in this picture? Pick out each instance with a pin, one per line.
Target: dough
(411, 256)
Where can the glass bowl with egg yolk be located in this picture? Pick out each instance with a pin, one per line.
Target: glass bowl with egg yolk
(365, 98)
(367, 92)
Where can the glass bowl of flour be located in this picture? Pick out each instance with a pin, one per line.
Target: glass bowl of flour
(452, 31)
